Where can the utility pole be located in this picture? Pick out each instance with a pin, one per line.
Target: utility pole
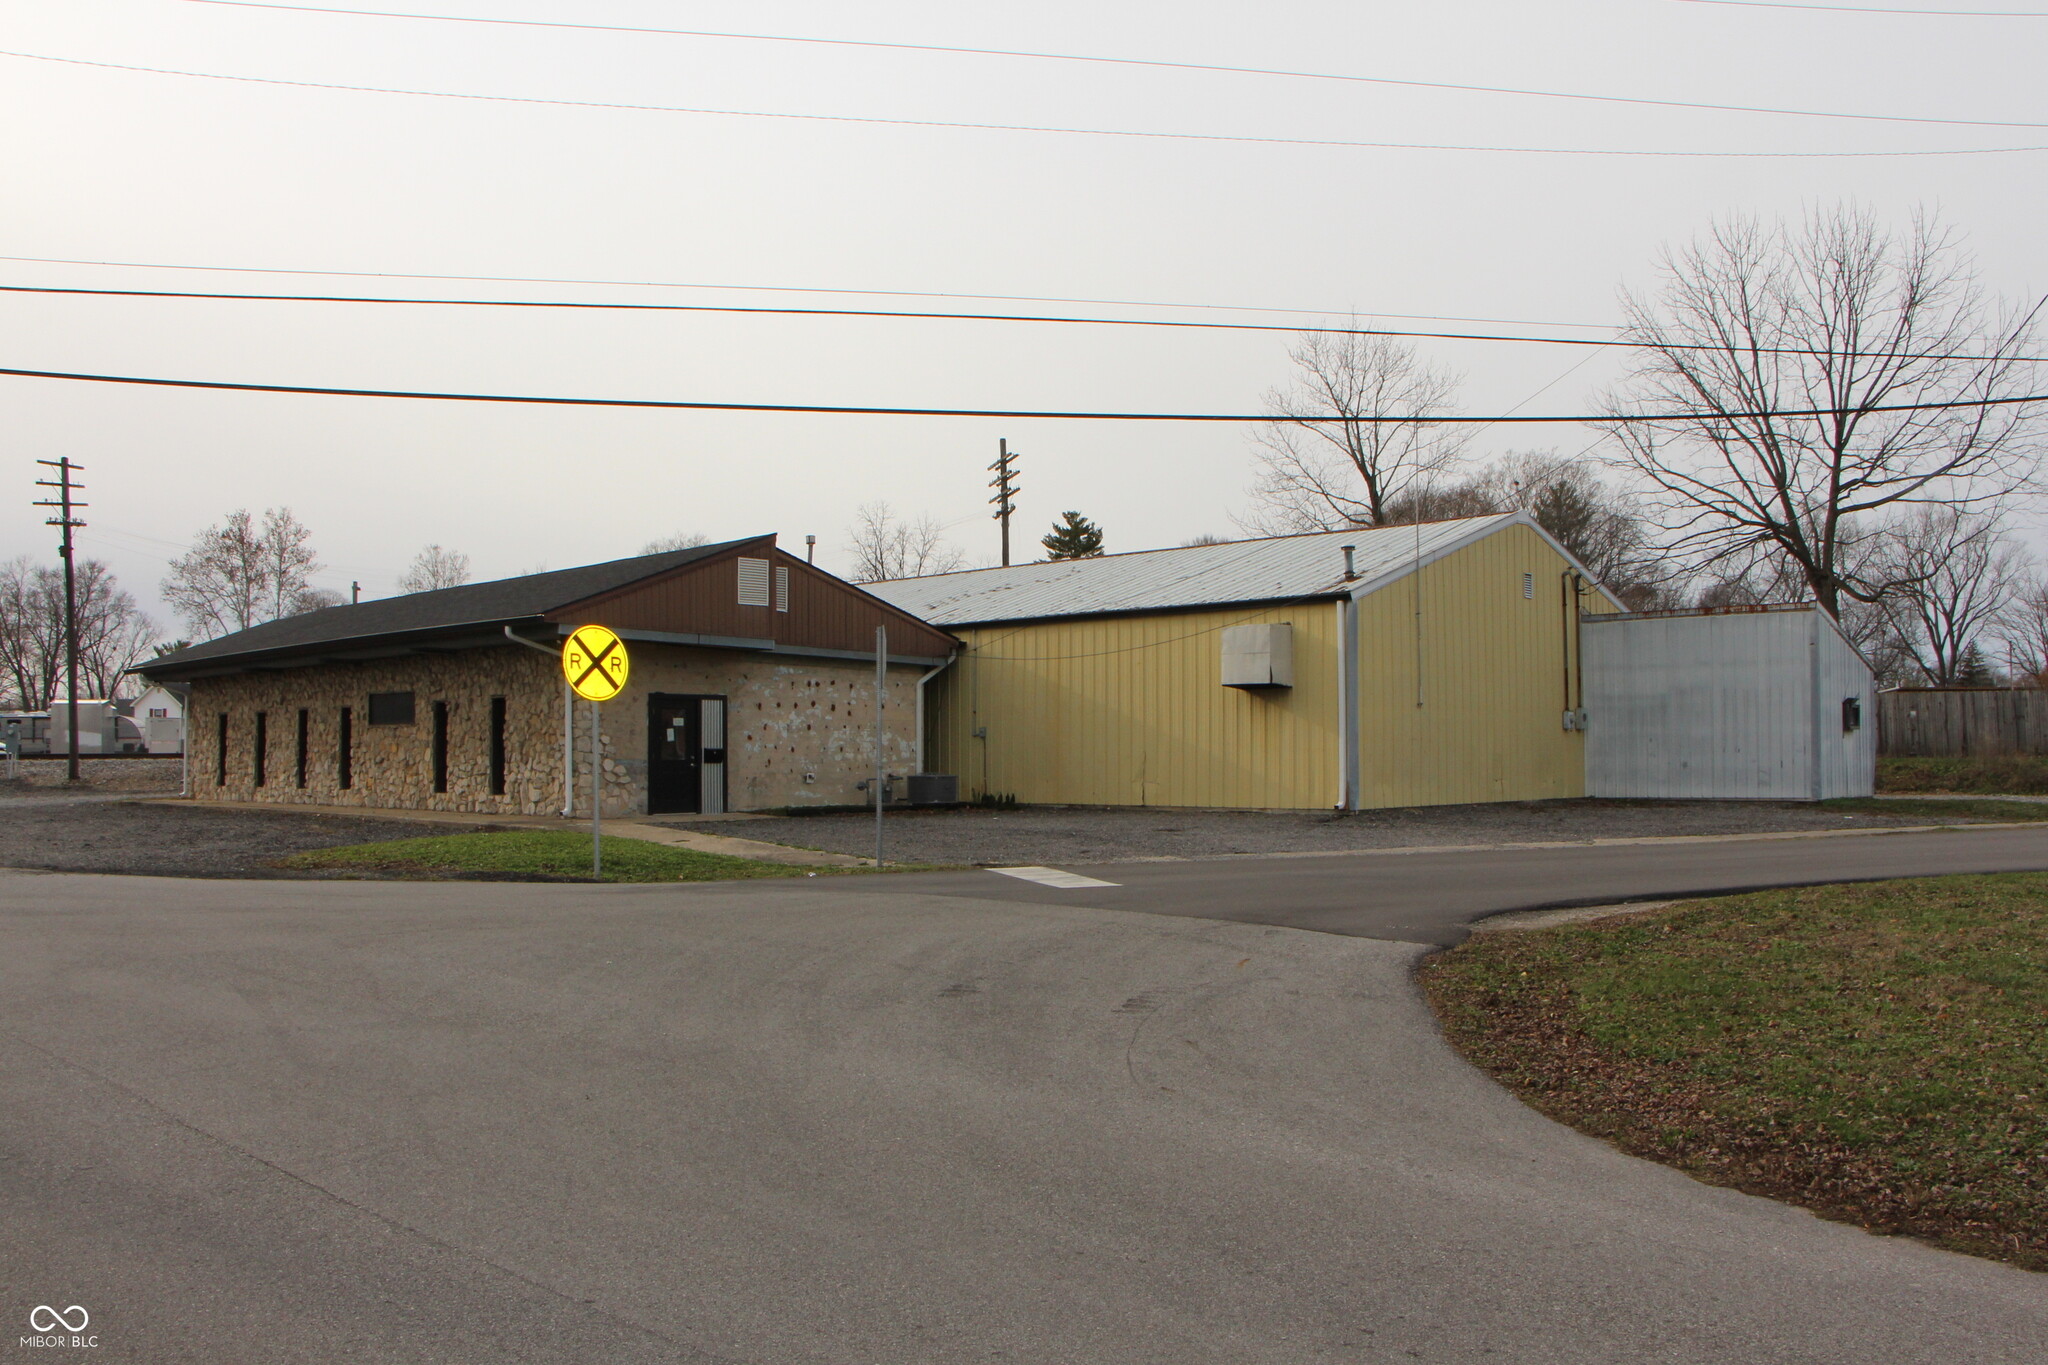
(63, 502)
(1005, 500)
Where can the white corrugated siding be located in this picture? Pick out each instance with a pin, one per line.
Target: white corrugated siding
(1739, 706)
(1848, 760)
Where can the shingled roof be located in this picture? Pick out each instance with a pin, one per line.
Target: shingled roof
(425, 617)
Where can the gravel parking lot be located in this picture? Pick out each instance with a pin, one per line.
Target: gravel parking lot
(101, 830)
(43, 775)
(1075, 835)
(104, 833)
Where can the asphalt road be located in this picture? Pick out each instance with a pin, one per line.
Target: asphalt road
(301, 1121)
(1431, 896)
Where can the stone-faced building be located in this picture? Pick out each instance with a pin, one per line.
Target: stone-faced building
(751, 687)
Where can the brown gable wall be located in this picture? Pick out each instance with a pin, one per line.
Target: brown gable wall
(703, 599)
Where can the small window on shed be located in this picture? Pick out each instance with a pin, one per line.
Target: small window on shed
(753, 582)
(781, 588)
(391, 708)
(1529, 586)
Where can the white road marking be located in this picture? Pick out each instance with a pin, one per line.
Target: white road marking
(1051, 876)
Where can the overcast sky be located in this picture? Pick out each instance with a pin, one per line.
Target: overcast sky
(109, 165)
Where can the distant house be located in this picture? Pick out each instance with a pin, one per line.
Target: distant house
(159, 715)
(752, 686)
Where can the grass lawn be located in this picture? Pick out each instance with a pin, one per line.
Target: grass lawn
(538, 853)
(1877, 1053)
(1942, 812)
(2010, 774)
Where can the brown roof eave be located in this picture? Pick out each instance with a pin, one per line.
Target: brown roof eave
(466, 635)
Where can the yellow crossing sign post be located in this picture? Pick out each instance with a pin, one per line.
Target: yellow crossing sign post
(595, 665)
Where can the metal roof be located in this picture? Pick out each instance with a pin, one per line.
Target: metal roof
(1282, 568)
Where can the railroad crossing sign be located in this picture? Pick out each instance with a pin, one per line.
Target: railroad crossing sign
(594, 662)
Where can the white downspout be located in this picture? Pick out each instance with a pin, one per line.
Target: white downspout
(568, 729)
(1347, 703)
(920, 704)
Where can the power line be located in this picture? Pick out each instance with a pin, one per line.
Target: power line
(1172, 323)
(1756, 4)
(1291, 328)
(1603, 419)
(793, 289)
(1238, 139)
(1123, 61)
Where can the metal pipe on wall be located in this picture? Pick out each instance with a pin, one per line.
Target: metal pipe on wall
(1348, 758)
(881, 757)
(921, 765)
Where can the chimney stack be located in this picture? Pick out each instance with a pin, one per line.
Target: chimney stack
(1350, 569)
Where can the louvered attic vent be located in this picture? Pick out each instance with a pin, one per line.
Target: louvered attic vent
(781, 588)
(753, 582)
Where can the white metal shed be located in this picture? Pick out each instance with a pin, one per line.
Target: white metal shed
(1741, 703)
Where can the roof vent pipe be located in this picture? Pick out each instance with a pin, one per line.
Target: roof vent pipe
(1350, 569)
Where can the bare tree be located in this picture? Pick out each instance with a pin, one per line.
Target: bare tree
(434, 568)
(1839, 318)
(884, 546)
(681, 540)
(1601, 526)
(1326, 476)
(31, 634)
(113, 634)
(288, 565)
(1204, 539)
(1959, 577)
(2024, 632)
(239, 574)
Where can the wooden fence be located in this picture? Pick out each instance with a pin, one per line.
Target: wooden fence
(1952, 722)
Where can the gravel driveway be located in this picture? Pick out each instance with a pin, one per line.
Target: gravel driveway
(1074, 835)
(70, 833)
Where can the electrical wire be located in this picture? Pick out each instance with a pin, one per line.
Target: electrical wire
(1761, 4)
(1121, 61)
(790, 312)
(1292, 329)
(798, 289)
(1601, 419)
(1234, 139)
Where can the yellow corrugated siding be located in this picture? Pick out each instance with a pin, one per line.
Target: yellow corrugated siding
(1132, 711)
(1492, 685)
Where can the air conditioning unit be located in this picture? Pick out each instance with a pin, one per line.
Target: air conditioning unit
(933, 789)
(1258, 656)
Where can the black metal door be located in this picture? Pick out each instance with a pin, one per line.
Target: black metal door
(675, 754)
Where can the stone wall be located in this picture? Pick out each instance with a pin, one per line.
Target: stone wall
(391, 765)
(799, 731)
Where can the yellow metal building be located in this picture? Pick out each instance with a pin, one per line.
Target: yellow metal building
(1399, 666)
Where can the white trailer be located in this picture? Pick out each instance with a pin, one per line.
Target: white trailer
(1746, 703)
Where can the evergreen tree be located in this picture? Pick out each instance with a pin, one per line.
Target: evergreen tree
(1973, 670)
(1073, 537)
